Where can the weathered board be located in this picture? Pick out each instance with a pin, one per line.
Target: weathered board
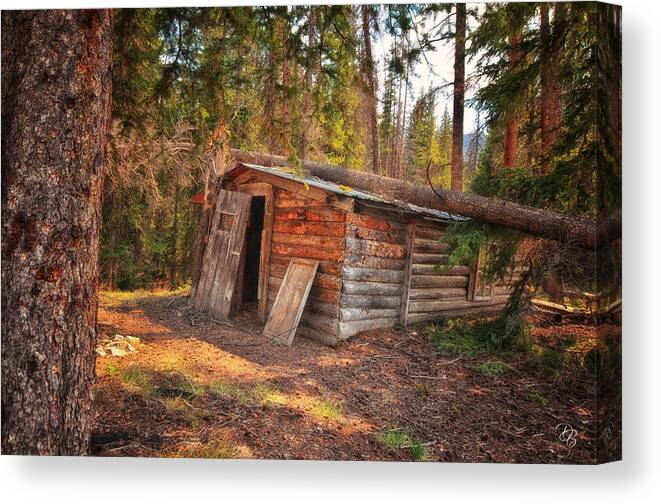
(290, 301)
(222, 256)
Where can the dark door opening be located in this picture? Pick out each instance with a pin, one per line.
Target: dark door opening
(253, 247)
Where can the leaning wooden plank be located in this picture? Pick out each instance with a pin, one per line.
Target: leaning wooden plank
(421, 281)
(371, 288)
(326, 267)
(348, 329)
(366, 301)
(347, 314)
(289, 303)
(316, 293)
(331, 282)
(372, 274)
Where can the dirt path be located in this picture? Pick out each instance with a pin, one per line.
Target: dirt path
(198, 389)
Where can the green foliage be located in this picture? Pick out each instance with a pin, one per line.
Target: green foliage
(398, 438)
(539, 398)
(491, 368)
(469, 336)
(547, 360)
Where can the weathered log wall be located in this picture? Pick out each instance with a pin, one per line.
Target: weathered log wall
(437, 289)
(308, 228)
(373, 271)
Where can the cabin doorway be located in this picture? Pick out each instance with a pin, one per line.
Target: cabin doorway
(252, 288)
(253, 251)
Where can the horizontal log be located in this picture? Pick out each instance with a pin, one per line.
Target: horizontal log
(392, 215)
(440, 281)
(436, 293)
(376, 235)
(536, 221)
(429, 246)
(433, 269)
(369, 222)
(433, 305)
(347, 314)
(327, 243)
(320, 321)
(317, 335)
(284, 250)
(331, 282)
(328, 267)
(375, 248)
(349, 328)
(427, 233)
(363, 261)
(430, 259)
(371, 288)
(415, 318)
(367, 301)
(314, 228)
(372, 275)
(310, 214)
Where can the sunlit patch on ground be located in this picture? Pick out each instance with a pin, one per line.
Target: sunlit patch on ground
(204, 390)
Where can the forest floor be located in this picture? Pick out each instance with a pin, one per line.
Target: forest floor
(195, 388)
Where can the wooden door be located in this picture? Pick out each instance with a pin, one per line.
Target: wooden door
(290, 301)
(215, 290)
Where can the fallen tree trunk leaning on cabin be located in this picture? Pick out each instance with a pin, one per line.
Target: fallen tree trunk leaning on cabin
(536, 221)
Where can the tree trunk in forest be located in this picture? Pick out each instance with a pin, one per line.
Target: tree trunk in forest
(286, 127)
(307, 100)
(536, 221)
(512, 121)
(458, 102)
(371, 89)
(550, 109)
(56, 91)
(175, 234)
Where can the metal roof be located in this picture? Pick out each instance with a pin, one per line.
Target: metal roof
(342, 190)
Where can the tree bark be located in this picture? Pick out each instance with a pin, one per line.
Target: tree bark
(56, 92)
(456, 179)
(536, 221)
(512, 121)
(550, 109)
(371, 89)
(307, 99)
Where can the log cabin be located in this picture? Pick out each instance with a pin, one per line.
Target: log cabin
(381, 262)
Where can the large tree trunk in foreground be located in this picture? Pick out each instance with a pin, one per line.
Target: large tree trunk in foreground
(536, 221)
(56, 82)
(371, 88)
(458, 102)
